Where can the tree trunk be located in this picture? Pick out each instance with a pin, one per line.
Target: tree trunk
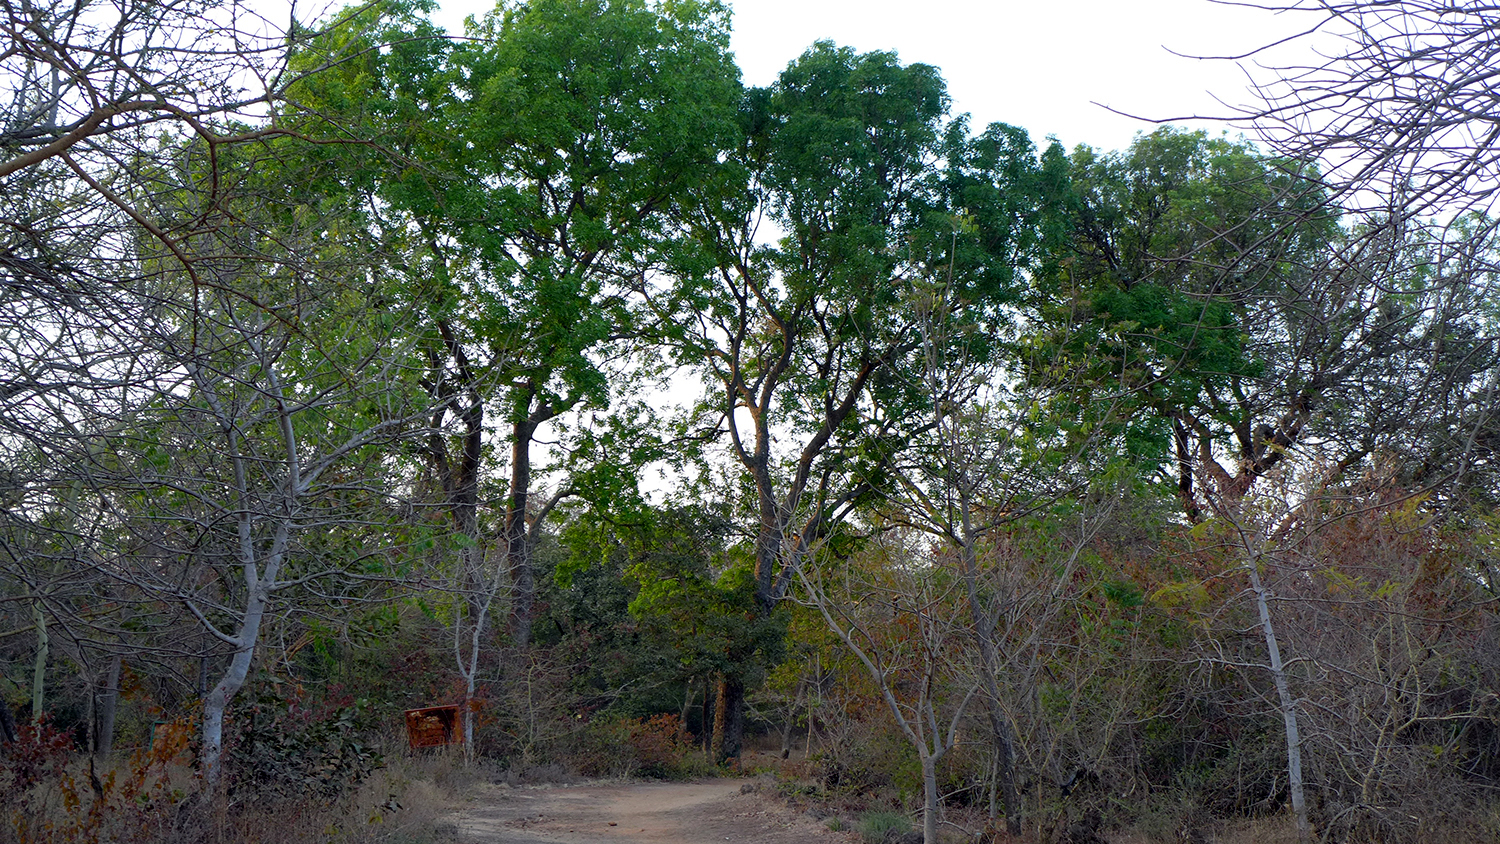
(710, 731)
(1005, 768)
(930, 799)
(468, 722)
(517, 539)
(814, 700)
(214, 706)
(1001, 734)
(729, 719)
(1288, 707)
(471, 559)
(7, 723)
(108, 705)
(39, 669)
(791, 719)
(459, 472)
(217, 701)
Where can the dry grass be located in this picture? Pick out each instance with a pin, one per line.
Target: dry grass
(399, 804)
(409, 801)
(1279, 830)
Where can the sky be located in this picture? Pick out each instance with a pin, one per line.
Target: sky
(1050, 67)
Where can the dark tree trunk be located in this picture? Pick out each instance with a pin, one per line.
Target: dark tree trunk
(983, 621)
(1005, 768)
(517, 536)
(729, 719)
(109, 698)
(7, 723)
(721, 711)
(708, 728)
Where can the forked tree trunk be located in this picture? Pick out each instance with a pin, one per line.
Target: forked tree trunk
(214, 706)
(258, 593)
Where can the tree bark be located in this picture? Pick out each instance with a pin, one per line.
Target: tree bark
(721, 712)
(39, 668)
(517, 536)
(729, 719)
(108, 705)
(1288, 707)
(930, 799)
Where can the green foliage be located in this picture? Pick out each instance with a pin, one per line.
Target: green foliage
(1183, 256)
(290, 745)
(691, 595)
(547, 194)
(877, 827)
(491, 230)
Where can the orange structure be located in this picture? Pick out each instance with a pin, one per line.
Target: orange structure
(434, 726)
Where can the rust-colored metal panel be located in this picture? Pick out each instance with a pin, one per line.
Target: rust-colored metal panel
(434, 726)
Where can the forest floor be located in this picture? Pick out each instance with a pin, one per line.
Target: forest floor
(699, 812)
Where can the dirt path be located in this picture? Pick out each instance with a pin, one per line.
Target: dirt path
(702, 812)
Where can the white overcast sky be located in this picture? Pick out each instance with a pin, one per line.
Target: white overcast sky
(1039, 65)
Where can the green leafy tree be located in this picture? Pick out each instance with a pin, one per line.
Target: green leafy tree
(800, 341)
(529, 174)
(1200, 270)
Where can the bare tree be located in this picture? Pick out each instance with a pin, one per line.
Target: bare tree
(899, 607)
(1398, 112)
(994, 454)
(255, 422)
(1399, 104)
(1248, 526)
(199, 368)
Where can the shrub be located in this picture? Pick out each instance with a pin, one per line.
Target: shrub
(657, 747)
(877, 826)
(50, 794)
(660, 746)
(288, 749)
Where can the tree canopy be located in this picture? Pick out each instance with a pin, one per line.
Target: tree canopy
(553, 374)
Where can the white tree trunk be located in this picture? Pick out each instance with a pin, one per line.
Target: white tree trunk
(471, 560)
(217, 701)
(39, 670)
(258, 586)
(1288, 707)
(930, 801)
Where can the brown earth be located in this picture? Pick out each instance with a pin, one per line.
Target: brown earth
(701, 812)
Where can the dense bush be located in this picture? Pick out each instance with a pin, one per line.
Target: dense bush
(656, 747)
(291, 745)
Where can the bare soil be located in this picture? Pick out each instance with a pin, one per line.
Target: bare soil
(701, 812)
